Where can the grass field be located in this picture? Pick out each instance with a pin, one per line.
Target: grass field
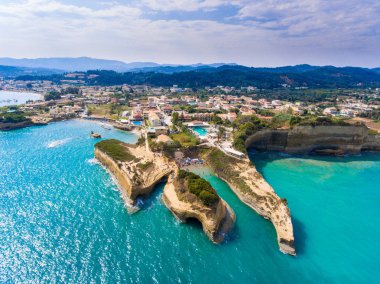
(185, 139)
(107, 110)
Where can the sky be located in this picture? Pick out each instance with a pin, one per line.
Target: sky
(247, 32)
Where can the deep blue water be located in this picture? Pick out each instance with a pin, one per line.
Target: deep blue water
(62, 220)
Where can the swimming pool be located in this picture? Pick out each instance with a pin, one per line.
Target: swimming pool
(202, 131)
(137, 123)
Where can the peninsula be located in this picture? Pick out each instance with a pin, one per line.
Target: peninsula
(252, 189)
(137, 170)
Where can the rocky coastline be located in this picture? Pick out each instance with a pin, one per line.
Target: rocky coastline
(217, 219)
(138, 175)
(140, 170)
(335, 140)
(252, 189)
(19, 125)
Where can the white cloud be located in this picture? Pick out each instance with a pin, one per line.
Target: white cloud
(184, 5)
(269, 32)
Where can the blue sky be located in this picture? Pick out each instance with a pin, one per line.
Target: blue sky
(249, 32)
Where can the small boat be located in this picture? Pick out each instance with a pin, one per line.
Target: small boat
(95, 135)
(106, 126)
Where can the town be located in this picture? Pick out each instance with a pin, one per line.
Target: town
(178, 116)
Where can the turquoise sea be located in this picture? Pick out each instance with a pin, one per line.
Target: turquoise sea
(62, 220)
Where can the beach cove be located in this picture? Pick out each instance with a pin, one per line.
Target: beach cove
(63, 219)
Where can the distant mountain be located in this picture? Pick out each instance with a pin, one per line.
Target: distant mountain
(82, 64)
(68, 64)
(377, 70)
(169, 69)
(11, 71)
(289, 69)
(237, 76)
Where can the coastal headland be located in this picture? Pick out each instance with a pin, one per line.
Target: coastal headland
(187, 196)
(137, 170)
(252, 189)
(319, 139)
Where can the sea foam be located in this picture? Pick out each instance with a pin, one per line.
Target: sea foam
(57, 143)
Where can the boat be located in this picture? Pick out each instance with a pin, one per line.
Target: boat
(95, 135)
(106, 126)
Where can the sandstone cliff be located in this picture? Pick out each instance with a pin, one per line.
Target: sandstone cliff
(138, 175)
(216, 219)
(253, 190)
(320, 139)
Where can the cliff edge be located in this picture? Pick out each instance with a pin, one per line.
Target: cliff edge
(136, 170)
(253, 190)
(315, 139)
(187, 195)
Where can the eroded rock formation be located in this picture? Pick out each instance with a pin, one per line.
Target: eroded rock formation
(253, 190)
(138, 175)
(217, 219)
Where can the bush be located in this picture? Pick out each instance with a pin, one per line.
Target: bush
(144, 166)
(322, 120)
(199, 187)
(13, 117)
(53, 95)
(246, 126)
(281, 120)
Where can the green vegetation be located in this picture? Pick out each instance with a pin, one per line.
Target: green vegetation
(322, 120)
(265, 112)
(175, 118)
(282, 120)
(199, 187)
(12, 117)
(221, 163)
(185, 138)
(141, 141)
(52, 95)
(116, 150)
(106, 110)
(328, 77)
(160, 146)
(373, 132)
(144, 166)
(245, 126)
(374, 114)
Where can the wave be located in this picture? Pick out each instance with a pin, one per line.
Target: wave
(92, 161)
(57, 143)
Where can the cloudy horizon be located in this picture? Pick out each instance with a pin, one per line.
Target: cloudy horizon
(252, 33)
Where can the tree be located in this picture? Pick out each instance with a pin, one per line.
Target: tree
(217, 120)
(175, 118)
(53, 95)
(221, 132)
